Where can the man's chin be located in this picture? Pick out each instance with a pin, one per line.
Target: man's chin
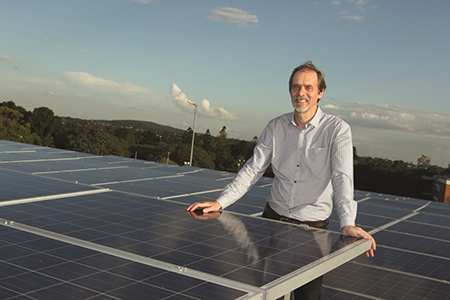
(302, 110)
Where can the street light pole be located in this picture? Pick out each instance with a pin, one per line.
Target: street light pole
(193, 130)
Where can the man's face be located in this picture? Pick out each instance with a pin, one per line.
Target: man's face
(304, 91)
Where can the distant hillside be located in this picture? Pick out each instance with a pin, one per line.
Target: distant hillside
(133, 124)
(142, 125)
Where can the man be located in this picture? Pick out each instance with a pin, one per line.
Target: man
(312, 159)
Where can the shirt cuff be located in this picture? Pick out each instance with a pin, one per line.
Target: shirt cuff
(223, 203)
(347, 221)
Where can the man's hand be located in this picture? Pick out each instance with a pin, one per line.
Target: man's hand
(207, 206)
(359, 232)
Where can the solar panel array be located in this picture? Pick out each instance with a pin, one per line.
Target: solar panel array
(77, 226)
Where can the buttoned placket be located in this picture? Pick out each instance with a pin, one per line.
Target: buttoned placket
(298, 167)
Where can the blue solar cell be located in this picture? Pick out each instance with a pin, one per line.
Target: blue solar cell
(17, 186)
(432, 219)
(389, 212)
(385, 283)
(206, 183)
(10, 157)
(413, 243)
(330, 293)
(399, 204)
(425, 230)
(432, 267)
(441, 209)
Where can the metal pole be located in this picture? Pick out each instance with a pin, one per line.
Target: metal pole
(193, 131)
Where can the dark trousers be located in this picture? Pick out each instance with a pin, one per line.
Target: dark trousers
(309, 291)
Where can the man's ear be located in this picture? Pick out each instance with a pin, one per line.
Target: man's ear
(320, 95)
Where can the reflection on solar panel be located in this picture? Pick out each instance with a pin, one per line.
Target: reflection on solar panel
(77, 226)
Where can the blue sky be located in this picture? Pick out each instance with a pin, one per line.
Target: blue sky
(386, 64)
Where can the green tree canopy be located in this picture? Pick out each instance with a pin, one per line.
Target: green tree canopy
(91, 139)
(11, 128)
(44, 122)
(181, 155)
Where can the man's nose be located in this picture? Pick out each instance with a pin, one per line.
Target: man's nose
(301, 91)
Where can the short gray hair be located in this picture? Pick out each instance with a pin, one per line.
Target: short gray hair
(321, 85)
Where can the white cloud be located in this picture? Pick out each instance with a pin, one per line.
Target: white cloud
(6, 58)
(91, 81)
(53, 94)
(355, 9)
(330, 106)
(205, 108)
(353, 18)
(142, 1)
(391, 117)
(359, 3)
(233, 15)
(393, 131)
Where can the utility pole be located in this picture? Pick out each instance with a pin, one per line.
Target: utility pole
(193, 130)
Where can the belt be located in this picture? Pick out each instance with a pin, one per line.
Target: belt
(309, 223)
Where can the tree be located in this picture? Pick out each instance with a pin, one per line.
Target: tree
(25, 113)
(145, 152)
(243, 150)
(181, 155)
(149, 137)
(44, 122)
(11, 128)
(187, 136)
(423, 162)
(400, 166)
(125, 134)
(206, 142)
(223, 154)
(90, 139)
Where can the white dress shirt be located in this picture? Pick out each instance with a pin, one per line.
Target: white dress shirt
(312, 167)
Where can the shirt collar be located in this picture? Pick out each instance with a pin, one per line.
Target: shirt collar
(317, 117)
(314, 121)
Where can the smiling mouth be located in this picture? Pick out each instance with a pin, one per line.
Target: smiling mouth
(302, 100)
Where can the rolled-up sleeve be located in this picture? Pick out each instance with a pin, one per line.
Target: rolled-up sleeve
(342, 175)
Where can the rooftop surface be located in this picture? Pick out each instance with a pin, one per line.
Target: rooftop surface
(90, 227)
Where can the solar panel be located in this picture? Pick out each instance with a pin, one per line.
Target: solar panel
(115, 228)
(87, 240)
(356, 279)
(242, 250)
(437, 209)
(20, 186)
(36, 267)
